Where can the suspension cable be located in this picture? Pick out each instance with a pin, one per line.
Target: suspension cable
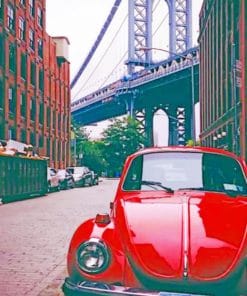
(103, 55)
(114, 69)
(156, 6)
(97, 42)
(160, 24)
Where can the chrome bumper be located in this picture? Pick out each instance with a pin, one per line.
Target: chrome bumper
(86, 288)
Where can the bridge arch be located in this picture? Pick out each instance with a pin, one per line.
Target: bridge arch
(160, 128)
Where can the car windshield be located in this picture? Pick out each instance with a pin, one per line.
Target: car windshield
(182, 170)
(61, 173)
(51, 172)
(76, 170)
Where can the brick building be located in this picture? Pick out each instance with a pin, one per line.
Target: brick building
(34, 81)
(223, 84)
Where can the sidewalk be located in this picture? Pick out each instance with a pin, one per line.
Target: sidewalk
(35, 237)
(54, 288)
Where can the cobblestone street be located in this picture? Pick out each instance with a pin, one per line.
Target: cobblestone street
(35, 236)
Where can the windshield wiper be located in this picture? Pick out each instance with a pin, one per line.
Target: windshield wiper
(194, 188)
(155, 183)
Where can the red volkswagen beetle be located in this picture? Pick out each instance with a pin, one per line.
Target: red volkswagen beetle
(177, 226)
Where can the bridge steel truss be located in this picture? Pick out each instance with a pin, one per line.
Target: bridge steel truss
(140, 30)
(140, 36)
(165, 85)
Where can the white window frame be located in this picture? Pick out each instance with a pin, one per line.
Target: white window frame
(21, 28)
(10, 17)
(31, 38)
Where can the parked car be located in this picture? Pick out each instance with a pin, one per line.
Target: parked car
(82, 175)
(52, 180)
(95, 178)
(177, 225)
(66, 179)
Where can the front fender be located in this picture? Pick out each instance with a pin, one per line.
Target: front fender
(107, 233)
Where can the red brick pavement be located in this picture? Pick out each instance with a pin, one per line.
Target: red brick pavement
(35, 236)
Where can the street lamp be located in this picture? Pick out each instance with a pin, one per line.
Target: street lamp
(192, 82)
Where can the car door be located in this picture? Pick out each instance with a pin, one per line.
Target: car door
(88, 176)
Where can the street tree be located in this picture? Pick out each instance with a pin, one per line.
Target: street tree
(93, 155)
(121, 138)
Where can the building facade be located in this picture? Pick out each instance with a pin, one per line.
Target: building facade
(222, 42)
(34, 81)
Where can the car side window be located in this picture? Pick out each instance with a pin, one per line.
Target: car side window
(222, 173)
(134, 176)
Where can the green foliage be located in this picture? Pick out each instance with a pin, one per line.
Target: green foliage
(93, 155)
(79, 132)
(121, 139)
(191, 143)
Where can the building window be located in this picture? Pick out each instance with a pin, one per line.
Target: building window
(2, 60)
(41, 113)
(23, 2)
(40, 48)
(33, 73)
(48, 116)
(54, 150)
(33, 109)
(21, 28)
(41, 80)
(31, 7)
(10, 18)
(12, 133)
(23, 66)
(65, 124)
(23, 136)
(32, 139)
(23, 103)
(41, 141)
(48, 145)
(31, 38)
(1, 94)
(59, 121)
(12, 57)
(2, 131)
(54, 119)
(11, 98)
(40, 17)
(1, 9)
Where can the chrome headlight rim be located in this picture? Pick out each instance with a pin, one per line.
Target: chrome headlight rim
(101, 248)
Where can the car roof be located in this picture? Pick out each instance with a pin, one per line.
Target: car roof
(75, 167)
(183, 149)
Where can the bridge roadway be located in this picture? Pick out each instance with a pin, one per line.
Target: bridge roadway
(165, 83)
(35, 236)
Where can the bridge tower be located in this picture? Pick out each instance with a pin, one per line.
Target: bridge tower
(140, 36)
(140, 29)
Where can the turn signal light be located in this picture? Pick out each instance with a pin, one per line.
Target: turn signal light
(102, 218)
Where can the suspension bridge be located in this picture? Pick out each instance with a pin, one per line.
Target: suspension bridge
(145, 86)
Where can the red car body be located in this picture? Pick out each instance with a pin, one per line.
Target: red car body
(158, 240)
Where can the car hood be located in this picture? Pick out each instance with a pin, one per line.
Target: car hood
(187, 234)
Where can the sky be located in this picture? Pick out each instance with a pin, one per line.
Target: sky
(81, 21)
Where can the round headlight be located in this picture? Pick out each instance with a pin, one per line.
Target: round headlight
(93, 256)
